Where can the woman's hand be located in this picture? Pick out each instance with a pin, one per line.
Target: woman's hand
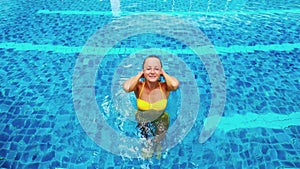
(163, 72)
(172, 82)
(141, 74)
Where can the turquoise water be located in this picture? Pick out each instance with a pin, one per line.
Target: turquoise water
(42, 42)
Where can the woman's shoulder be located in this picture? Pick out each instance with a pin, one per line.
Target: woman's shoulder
(163, 85)
(164, 88)
(139, 85)
(138, 88)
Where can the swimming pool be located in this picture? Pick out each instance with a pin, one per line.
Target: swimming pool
(42, 43)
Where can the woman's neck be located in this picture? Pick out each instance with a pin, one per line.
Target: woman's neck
(151, 85)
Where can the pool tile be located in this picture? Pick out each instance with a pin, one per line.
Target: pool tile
(49, 156)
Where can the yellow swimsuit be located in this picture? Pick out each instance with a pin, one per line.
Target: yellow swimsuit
(161, 123)
(159, 105)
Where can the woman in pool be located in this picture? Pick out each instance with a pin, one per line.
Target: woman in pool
(152, 96)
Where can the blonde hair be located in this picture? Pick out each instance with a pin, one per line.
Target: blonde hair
(151, 56)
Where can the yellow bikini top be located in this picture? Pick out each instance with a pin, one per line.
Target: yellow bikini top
(158, 105)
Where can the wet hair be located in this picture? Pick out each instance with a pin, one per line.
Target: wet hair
(151, 56)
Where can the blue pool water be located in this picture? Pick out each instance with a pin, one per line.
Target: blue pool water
(41, 43)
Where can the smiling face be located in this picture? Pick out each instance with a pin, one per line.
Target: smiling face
(152, 69)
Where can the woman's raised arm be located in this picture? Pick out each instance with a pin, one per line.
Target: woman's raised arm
(172, 82)
(131, 84)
